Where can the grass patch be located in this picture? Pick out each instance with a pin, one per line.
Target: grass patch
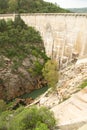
(84, 84)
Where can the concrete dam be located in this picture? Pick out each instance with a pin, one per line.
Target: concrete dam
(64, 35)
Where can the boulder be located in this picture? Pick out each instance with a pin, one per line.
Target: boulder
(17, 103)
(29, 101)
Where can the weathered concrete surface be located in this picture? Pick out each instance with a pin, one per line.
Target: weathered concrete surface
(72, 113)
(83, 127)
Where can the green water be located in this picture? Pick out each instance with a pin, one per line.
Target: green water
(34, 94)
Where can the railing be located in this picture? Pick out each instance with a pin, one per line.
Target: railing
(45, 14)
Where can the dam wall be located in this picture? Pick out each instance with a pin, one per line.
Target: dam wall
(64, 35)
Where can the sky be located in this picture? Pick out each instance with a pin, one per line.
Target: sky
(70, 3)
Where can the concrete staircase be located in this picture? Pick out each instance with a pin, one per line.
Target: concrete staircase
(72, 113)
(83, 127)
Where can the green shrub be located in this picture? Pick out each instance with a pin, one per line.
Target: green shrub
(41, 126)
(2, 106)
(33, 119)
(84, 84)
(5, 120)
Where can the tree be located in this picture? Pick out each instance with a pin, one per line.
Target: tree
(13, 6)
(3, 25)
(19, 23)
(50, 73)
(3, 6)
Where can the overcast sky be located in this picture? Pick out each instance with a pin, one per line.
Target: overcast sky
(70, 3)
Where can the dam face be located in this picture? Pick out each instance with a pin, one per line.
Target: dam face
(64, 35)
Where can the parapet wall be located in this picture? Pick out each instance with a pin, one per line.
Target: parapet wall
(64, 35)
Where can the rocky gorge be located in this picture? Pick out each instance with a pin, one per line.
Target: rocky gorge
(15, 84)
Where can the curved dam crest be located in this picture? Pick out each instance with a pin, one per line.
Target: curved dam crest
(63, 34)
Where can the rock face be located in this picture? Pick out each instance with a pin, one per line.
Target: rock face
(14, 83)
(71, 77)
(22, 102)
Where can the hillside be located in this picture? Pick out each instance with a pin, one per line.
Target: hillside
(29, 6)
(78, 10)
(22, 57)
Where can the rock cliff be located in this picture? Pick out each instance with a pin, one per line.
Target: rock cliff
(14, 83)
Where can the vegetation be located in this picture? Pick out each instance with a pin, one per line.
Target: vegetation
(84, 84)
(6, 116)
(29, 6)
(78, 10)
(50, 73)
(2, 106)
(18, 41)
(32, 118)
